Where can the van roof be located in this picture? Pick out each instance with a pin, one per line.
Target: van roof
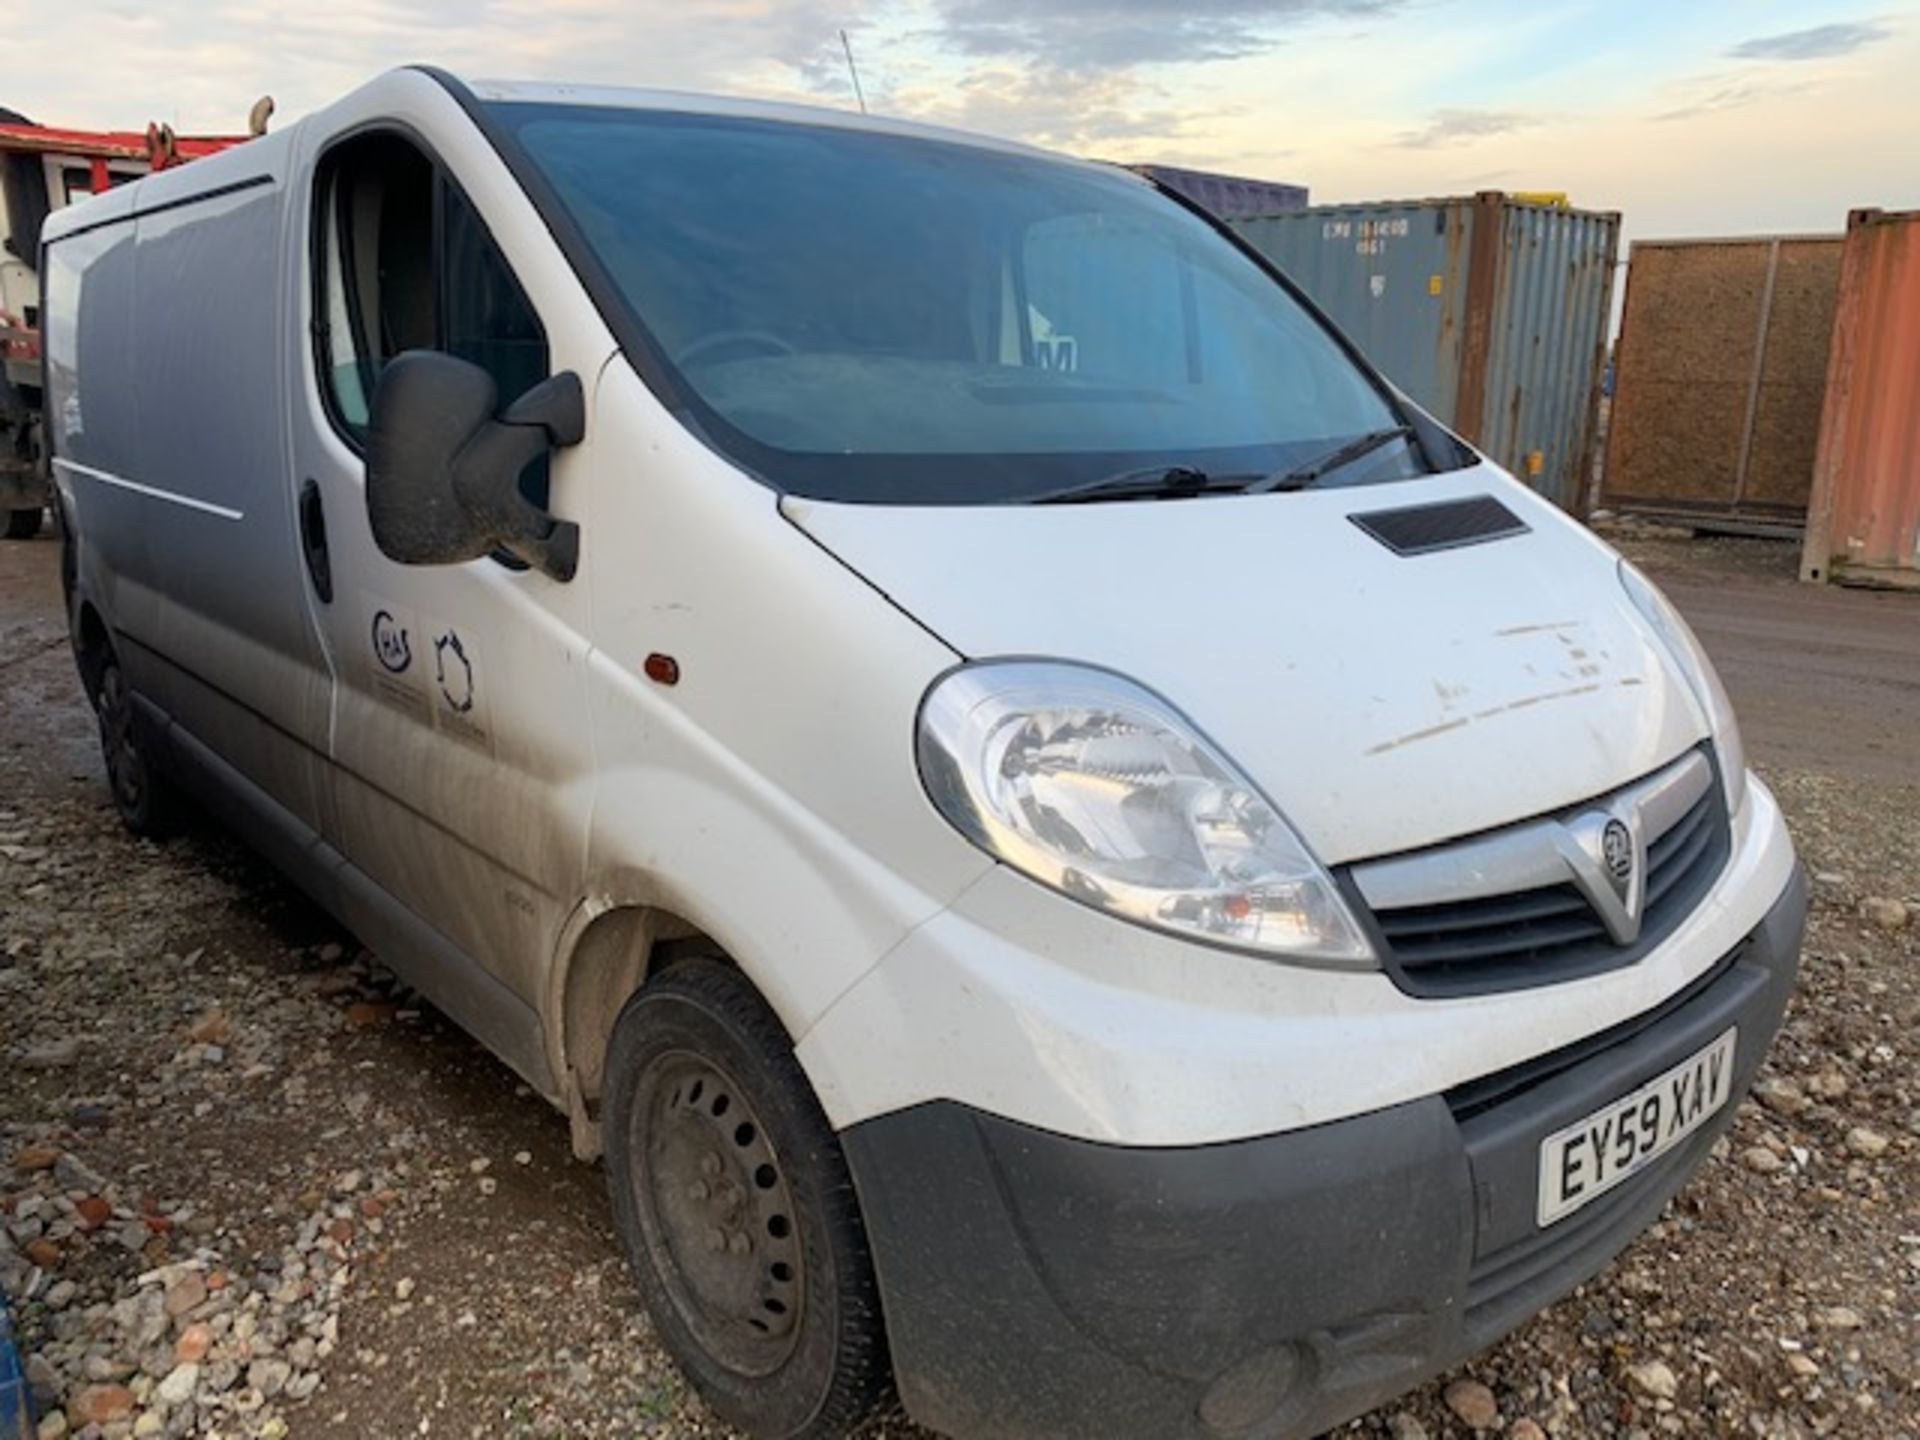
(622, 97)
(262, 160)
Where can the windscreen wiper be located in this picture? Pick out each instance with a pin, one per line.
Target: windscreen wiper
(1302, 477)
(1151, 482)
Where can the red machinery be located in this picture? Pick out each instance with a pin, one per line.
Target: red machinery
(43, 169)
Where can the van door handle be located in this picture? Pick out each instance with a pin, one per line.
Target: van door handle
(313, 541)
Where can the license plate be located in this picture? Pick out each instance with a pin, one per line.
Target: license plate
(1582, 1162)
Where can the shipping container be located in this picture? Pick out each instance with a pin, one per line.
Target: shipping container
(1721, 366)
(1863, 522)
(1227, 197)
(1488, 311)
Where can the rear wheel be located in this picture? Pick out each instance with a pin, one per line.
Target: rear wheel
(147, 801)
(736, 1210)
(23, 524)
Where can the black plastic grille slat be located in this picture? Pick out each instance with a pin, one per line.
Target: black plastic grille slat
(1684, 829)
(1548, 903)
(1662, 878)
(1532, 937)
(1444, 525)
(1523, 939)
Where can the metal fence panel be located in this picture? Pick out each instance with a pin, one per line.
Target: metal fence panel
(1719, 372)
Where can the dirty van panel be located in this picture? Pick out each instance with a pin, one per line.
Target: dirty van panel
(212, 423)
(89, 363)
(461, 770)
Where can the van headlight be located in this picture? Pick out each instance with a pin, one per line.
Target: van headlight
(1100, 789)
(1702, 678)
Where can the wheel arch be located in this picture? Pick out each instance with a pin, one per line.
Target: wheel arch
(92, 642)
(609, 950)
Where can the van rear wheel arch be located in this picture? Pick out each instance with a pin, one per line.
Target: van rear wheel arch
(92, 646)
(149, 803)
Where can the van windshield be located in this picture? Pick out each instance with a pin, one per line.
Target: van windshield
(866, 316)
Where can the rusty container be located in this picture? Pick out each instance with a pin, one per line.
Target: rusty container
(1863, 521)
(1489, 311)
(1719, 374)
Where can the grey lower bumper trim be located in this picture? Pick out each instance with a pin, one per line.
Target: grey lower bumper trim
(1036, 1285)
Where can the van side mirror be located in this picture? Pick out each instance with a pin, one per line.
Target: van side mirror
(443, 469)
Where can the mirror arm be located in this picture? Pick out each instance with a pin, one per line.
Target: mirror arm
(558, 405)
(552, 415)
(523, 528)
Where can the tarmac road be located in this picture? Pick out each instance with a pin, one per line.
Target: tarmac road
(1822, 677)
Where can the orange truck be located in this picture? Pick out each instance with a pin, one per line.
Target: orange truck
(43, 169)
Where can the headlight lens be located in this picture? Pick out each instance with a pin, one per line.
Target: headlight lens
(1100, 789)
(1702, 678)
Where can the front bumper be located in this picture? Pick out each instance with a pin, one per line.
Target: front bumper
(1037, 1285)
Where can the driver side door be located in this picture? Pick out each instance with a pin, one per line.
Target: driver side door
(461, 763)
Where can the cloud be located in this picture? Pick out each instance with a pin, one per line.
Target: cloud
(1071, 35)
(1459, 126)
(204, 75)
(1818, 42)
(1095, 113)
(1712, 94)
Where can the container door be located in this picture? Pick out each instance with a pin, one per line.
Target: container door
(462, 759)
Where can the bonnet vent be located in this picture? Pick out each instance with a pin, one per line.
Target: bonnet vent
(1446, 525)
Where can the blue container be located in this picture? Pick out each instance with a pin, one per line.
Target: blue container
(1490, 312)
(1227, 197)
(16, 1413)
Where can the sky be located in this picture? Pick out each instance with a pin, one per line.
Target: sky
(1692, 117)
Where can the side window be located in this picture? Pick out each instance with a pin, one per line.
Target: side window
(485, 315)
(403, 262)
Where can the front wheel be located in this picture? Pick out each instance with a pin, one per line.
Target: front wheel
(23, 524)
(736, 1210)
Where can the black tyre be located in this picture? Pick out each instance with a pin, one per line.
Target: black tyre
(148, 803)
(736, 1210)
(23, 524)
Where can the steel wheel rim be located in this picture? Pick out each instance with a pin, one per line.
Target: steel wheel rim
(717, 1213)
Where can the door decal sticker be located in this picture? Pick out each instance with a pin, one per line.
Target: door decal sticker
(390, 645)
(429, 670)
(392, 675)
(459, 686)
(453, 672)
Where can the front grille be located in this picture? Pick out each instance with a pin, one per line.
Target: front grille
(1552, 933)
(1517, 928)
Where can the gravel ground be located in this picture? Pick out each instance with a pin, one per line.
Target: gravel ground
(248, 1187)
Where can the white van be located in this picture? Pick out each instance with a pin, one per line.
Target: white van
(1078, 854)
